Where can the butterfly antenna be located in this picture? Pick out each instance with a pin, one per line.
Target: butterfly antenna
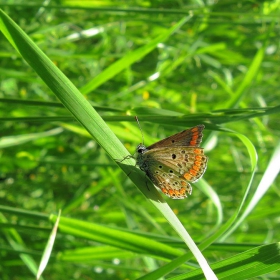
(136, 118)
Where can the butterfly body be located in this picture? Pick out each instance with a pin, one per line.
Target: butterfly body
(174, 162)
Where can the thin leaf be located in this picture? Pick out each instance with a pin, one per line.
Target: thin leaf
(48, 249)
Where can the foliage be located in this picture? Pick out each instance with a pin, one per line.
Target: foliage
(174, 65)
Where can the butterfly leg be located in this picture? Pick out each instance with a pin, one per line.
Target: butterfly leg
(126, 157)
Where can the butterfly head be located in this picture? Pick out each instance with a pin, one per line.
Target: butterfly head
(141, 149)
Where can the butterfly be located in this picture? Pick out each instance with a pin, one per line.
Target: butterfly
(173, 162)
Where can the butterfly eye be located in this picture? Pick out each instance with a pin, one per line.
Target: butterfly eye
(173, 156)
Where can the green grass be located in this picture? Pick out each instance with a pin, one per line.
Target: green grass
(173, 65)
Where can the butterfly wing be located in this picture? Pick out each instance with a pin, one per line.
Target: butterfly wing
(189, 137)
(172, 169)
(171, 185)
(187, 162)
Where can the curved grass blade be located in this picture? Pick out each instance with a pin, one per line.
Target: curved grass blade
(48, 249)
(269, 176)
(247, 265)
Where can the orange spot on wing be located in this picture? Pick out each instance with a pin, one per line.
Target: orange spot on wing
(177, 193)
(198, 151)
(194, 129)
(183, 183)
(195, 136)
(187, 176)
(193, 172)
(196, 168)
(193, 142)
(171, 193)
(164, 191)
(182, 192)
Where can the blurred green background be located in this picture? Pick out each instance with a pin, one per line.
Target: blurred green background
(220, 69)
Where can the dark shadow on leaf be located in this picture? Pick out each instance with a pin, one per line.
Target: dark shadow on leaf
(142, 182)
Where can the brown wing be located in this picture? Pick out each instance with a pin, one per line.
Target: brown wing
(170, 184)
(188, 163)
(190, 137)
